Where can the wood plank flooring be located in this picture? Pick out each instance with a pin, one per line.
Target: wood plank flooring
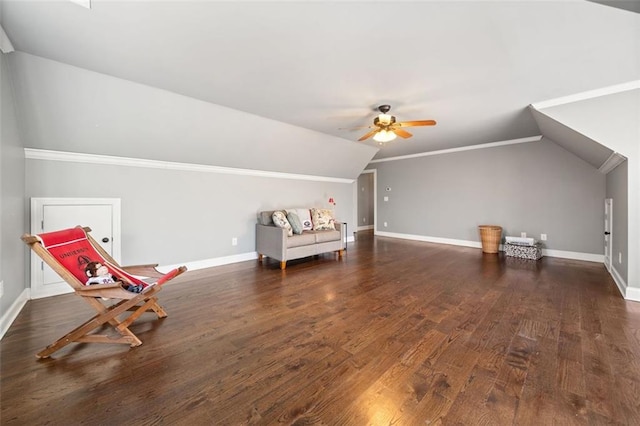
(397, 332)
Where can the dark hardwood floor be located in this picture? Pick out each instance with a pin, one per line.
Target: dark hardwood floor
(397, 332)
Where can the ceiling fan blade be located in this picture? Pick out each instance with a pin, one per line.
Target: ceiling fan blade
(402, 133)
(368, 135)
(416, 123)
(355, 128)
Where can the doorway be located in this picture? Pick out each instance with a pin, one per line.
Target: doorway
(102, 215)
(366, 210)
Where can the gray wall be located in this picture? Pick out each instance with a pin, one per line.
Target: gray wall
(12, 184)
(173, 216)
(535, 187)
(621, 133)
(365, 200)
(617, 189)
(168, 216)
(71, 109)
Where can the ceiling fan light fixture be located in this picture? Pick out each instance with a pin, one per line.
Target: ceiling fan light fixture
(384, 136)
(385, 119)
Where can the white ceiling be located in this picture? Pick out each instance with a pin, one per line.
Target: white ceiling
(472, 66)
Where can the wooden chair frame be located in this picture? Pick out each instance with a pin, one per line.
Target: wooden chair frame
(137, 303)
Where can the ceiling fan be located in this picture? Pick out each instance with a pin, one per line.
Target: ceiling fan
(386, 128)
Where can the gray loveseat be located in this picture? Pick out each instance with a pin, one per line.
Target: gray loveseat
(273, 242)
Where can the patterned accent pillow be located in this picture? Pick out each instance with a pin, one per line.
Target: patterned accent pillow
(323, 220)
(280, 220)
(305, 217)
(294, 221)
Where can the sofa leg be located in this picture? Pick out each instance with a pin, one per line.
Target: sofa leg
(340, 253)
(283, 265)
(259, 257)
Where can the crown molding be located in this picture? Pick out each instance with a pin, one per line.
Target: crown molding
(612, 162)
(76, 157)
(590, 94)
(460, 149)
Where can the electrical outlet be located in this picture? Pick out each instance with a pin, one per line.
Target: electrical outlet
(543, 237)
(385, 224)
(364, 220)
(523, 235)
(386, 198)
(234, 241)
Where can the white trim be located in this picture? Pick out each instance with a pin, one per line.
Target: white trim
(590, 94)
(460, 149)
(76, 157)
(622, 286)
(365, 228)
(633, 294)
(612, 162)
(83, 3)
(589, 257)
(437, 240)
(14, 310)
(574, 255)
(210, 263)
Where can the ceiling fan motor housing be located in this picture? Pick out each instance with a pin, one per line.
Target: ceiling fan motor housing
(387, 122)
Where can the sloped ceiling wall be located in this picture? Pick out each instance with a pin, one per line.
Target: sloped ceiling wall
(589, 150)
(613, 121)
(65, 108)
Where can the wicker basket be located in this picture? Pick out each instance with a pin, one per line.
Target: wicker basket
(490, 235)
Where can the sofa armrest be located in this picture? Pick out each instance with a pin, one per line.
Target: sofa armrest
(271, 241)
(343, 234)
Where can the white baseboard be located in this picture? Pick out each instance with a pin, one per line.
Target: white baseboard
(633, 294)
(622, 286)
(589, 257)
(438, 240)
(209, 263)
(12, 313)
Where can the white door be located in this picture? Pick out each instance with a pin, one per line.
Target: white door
(53, 214)
(608, 238)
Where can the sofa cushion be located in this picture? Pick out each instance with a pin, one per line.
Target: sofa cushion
(294, 221)
(325, 236)
(305, 239)
(265, 217)
(322, 220)
(280, 220)
(305, 218)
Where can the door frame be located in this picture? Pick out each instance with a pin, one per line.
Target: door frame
(608, 227)
(37, 210)
(375, 197)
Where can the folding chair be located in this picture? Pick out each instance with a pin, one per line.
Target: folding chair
(68, 253)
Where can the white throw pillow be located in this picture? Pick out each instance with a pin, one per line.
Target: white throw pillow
(305, 217)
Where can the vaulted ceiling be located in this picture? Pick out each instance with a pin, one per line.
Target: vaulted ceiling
(474, 67)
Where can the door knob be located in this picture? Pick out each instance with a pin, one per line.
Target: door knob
(607, 233)
(105, 240)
